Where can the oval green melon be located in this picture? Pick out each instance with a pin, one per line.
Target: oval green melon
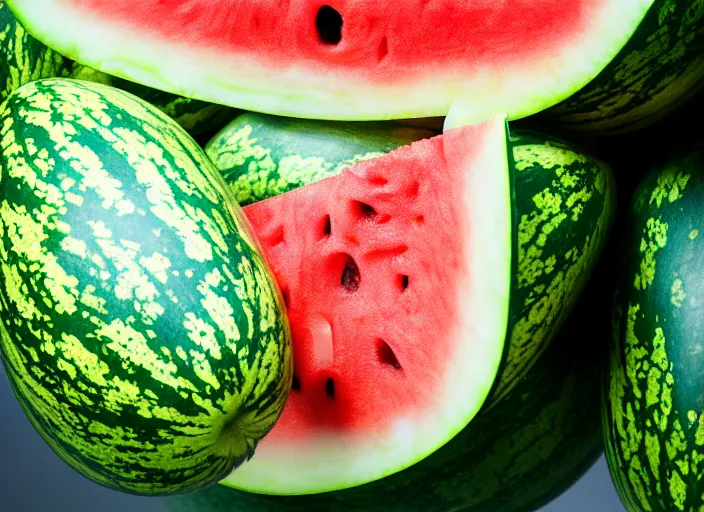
(530, 447)
(142, 331)
(564, 198)
(22, 57)
(653, 409)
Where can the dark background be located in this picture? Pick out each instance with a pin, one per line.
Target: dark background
(33, 479)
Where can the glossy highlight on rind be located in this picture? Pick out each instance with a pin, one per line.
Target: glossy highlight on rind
(565, 200)
(142, 331)
(653, 411)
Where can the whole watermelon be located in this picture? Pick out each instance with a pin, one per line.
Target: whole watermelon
(141, 329)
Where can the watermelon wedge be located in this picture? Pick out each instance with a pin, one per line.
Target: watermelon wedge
(518, 456)
(348, 59)
(396, 276)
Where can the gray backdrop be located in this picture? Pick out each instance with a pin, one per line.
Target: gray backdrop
(33, 479)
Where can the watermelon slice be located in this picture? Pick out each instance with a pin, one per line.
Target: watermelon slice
(346, 59)
(396, 276)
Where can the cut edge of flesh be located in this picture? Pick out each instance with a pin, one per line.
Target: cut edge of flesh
(338, 462)
(531, 86)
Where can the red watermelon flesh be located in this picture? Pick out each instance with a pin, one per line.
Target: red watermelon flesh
(345, 59)
(389, 34)
(396, 275)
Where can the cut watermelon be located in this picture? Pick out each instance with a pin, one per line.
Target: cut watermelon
(396, 275)
(347, 59)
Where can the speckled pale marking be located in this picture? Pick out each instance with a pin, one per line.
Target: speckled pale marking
(23, 58)
(654, 412)
(565, 201)
(659, 68)
(144, 336)
(195, 116)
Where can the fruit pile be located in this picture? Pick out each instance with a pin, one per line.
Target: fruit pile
(355, 256)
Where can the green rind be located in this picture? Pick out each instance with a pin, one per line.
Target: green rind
(566, 205)
(23, 58)
(199, 118)
(653, 407)
(518, 456)
(660, 67)
(142, 331)
(564, 198)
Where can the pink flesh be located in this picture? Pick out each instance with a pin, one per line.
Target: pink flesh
(384, 346)
(382, 41)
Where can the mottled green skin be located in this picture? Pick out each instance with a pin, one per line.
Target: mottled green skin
(199, 118)
(654, 393)
(660, 67)
(564, 201)
(142, 332)
(516, 457)
(23, 58)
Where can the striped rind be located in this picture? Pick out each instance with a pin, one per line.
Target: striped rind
(22, 57)
(198, 118)
(566, 205)
(565, 201)
(535, 443)
(142, 331)
(653, 409)
(659, 68)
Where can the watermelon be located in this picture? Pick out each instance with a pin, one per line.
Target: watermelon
(564, 200)
(530, 447)
(654, 73)
(141, 328)
(653, 409)
(393, 312)
(22, 57)
(199, 118)
(361, 60)
(337, 203)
